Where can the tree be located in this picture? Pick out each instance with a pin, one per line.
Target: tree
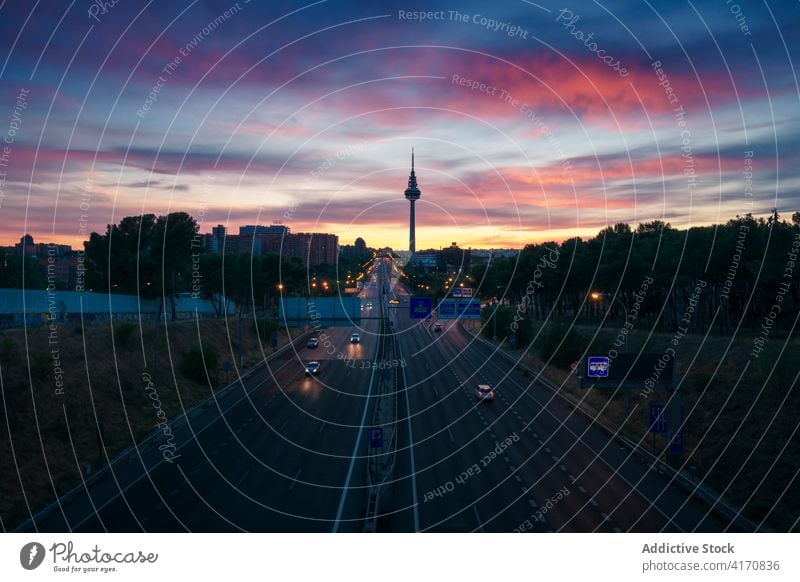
(144, 255)
(12, 269)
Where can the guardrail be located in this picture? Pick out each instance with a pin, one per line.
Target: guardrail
(387, 346)
(151, 440)
(703, 492)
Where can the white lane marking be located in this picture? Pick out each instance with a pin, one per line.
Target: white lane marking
(242, 478)
(478, 517)
(581, 489)
(450, 433)
(294, 481)
(594, 503)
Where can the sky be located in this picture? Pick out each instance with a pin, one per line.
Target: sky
(531, 121)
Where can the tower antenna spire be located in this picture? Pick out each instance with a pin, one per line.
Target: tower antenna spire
(412, 194)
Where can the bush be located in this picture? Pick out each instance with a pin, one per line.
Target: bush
(561, 345)
(265, 328)
(8, 351)
(123, 334)
(41, 366)
(200, 364)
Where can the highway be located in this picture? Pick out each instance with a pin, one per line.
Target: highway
(285, 452)
(280, 452)
(558, 473)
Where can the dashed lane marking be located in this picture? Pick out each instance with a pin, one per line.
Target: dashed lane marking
(242, 478)
(294, 481)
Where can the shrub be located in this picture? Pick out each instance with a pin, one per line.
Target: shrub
(561, 345)
(265, 328)
(8, 350)
(200, 364)
(41, 366)
(123, 334)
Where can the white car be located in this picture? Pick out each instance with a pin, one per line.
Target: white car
(484, 392)
(355, 338)
(312, 368)
(312, 343)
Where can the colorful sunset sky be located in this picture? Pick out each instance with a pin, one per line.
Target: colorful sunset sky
(305, 113)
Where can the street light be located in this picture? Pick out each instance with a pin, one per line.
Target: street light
(597, 296)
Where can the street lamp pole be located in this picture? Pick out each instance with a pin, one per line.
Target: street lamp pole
(597, 296)
(625, 310)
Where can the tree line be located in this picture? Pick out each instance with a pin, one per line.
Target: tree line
(163, 256)
(744, 268)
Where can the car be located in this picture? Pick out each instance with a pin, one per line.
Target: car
(484, 392)
(369, 304)
(355, 338)
(312, 343)
(394, 302)
(437, 327)
(312, 368)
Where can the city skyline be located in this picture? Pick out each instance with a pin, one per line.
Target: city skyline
(531, 138)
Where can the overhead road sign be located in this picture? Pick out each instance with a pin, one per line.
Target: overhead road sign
(459, 309)
(420, 307)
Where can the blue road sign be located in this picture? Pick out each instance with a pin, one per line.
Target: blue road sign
(420, 307)
(459, 308)
(469, 309)
(376, 437)
(675, 440)
(597, 367)
(658, 423)
(447, 309)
